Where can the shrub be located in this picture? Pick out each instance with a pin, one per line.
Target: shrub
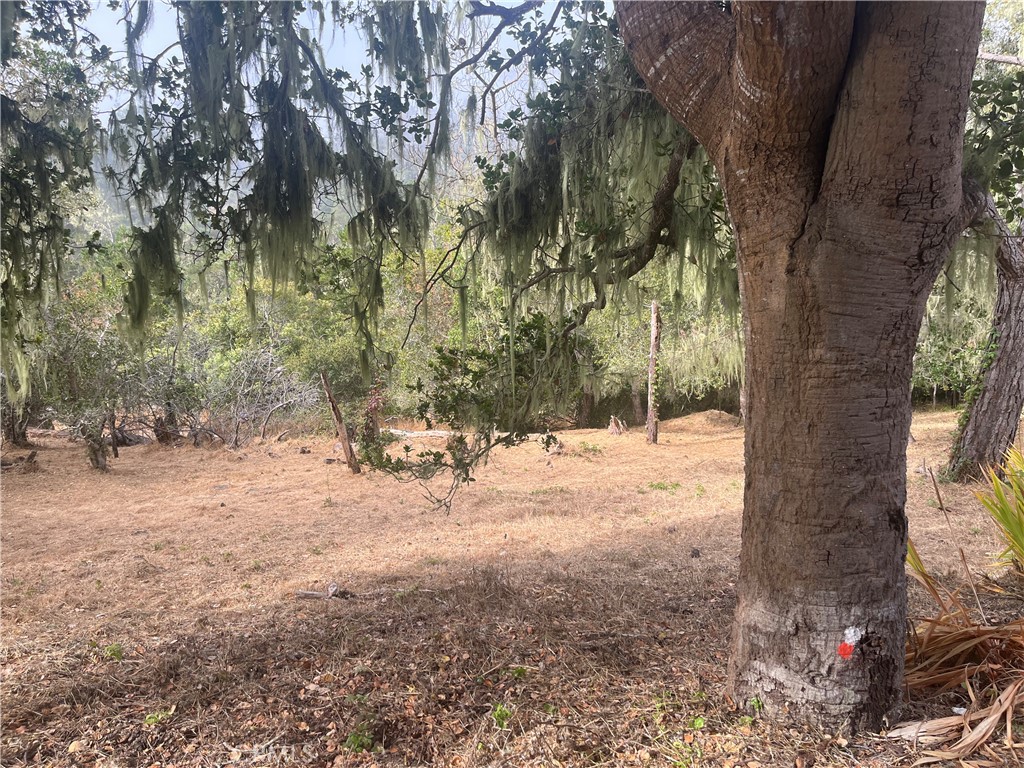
(1005, 503)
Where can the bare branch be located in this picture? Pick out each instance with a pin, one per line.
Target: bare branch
(1016, 61)
(444, 266)
(507, 15)
(517, 59)
(446, 81)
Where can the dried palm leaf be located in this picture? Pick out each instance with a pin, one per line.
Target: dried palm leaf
(972, 739)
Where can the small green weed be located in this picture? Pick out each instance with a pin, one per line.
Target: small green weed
(501, 715)
(114, 651)
(665, 704)
(589, 449)
(154, 718)
(700, 491)
(664, 485)
(757, 705)
(360, 740)
(684, 755)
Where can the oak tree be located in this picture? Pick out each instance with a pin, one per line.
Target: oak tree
(837, 130)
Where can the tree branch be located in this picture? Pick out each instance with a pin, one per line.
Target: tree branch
(442, 269)
(517, 59)
(508, 16)
(1001, 59)
(639, 255)
(683, 51)
(1010, 251)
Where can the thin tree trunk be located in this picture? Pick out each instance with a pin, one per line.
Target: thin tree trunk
(586, 405)
(339, 423)
(993, 415)
(652, 375)
(113, 434)
(638, 404)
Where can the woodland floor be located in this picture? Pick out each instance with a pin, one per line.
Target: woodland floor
(570, 610)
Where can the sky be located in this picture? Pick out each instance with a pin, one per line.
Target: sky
(342, 48)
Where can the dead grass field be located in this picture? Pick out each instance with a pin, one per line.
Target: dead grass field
(571, 610)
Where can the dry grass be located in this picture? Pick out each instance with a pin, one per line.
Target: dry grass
(570, 610)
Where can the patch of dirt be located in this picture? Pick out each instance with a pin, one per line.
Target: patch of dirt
(572, 609)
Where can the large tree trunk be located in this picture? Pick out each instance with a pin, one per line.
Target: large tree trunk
(837, 131)
(993, 415)
(824, 532)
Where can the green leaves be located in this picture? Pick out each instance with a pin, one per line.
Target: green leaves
(1005, 503)
(994, 142)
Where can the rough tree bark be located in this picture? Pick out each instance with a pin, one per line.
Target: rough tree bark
(837, 132)
(652, 376)
(15, 425)
(993, 414)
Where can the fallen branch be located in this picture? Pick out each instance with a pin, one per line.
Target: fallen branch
(332, 591)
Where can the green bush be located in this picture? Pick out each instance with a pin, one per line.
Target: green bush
(1005, 503)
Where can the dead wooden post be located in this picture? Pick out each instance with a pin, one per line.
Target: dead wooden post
(339, 424)
(652, 373)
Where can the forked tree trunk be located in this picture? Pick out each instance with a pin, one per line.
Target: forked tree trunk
(837, 132)
(652, 375)
(993, 416)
